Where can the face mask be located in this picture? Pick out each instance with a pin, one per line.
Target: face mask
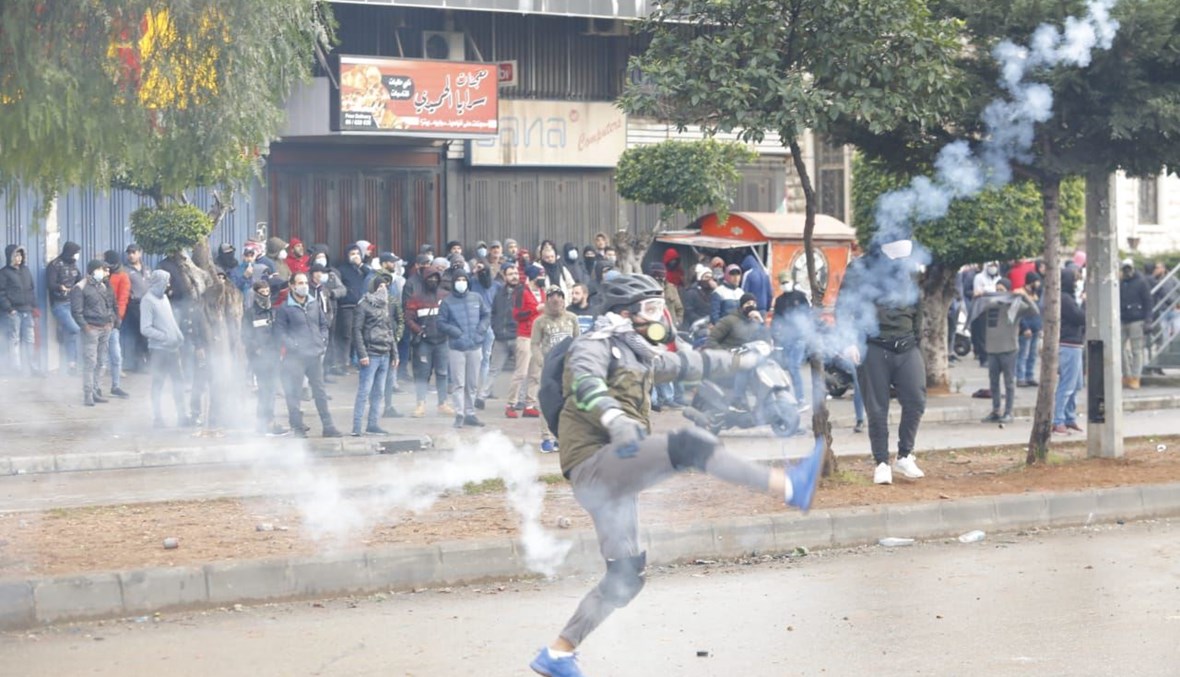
(263, 301)
(431, 284)
(460, 286)
(282, 254)
(654, 332)
(321, 278)
(301, 289)
(572, 255)
(993, 271)
(749, 310)
(323, 261)
(98, 275)
(482, 252)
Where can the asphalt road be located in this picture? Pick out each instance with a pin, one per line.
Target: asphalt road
(1097, 601)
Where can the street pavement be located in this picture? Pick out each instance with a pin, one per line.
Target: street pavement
(1087, 601)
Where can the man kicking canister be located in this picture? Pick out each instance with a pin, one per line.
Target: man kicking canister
(609, 458)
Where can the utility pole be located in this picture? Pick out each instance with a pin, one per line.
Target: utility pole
(1104, 342)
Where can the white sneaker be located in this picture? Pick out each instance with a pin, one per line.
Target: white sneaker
(909, 468)
(883, 474)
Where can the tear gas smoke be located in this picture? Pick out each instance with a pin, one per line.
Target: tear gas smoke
(330, 513)
(963, 172)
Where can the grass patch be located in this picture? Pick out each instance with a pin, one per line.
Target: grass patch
(57, 513)
(494, 485)
(552, 478)
(844, 476)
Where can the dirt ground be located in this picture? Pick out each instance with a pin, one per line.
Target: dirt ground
(121, 537)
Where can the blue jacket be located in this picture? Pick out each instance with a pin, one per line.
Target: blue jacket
(302, 329)
(464, 319)
(755, 281)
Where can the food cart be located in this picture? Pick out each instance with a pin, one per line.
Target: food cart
(776, 240)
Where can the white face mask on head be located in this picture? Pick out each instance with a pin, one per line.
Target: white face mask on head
(572, 255)
(460, 286)
(282, 254)
(98, 275)
(323, 261)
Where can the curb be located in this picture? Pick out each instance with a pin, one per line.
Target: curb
(42, 601)
(973, 414)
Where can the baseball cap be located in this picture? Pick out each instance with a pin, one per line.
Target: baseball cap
(733, 268)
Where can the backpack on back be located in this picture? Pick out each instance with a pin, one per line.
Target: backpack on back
(550, 392)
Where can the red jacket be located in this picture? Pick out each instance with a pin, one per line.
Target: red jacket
(526, 308)
(298, 264)
(121, 288)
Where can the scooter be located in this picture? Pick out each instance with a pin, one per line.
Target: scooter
(961, 345)
(769, 387)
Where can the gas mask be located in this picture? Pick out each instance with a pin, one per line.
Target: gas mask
(652, 327)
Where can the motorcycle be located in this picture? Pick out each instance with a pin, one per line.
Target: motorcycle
(961, 345)
(769, 387)
(837, 378)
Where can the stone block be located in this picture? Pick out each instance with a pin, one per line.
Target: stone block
(1160, 500)
(1072, 507)
(968, 514)
(465, 561)
(120, 460)
(77, 597)
(330, 574)
(671, 544)
(77, 462)
(1119, 503)
(740, 535)
(148, 590)
(584, 556)
(403, 568)
(793, 530)
(30, 465)
(17, 608)
(853, 527)
(1021, 511)
(921, 520)
(157, 458)
(230, 582)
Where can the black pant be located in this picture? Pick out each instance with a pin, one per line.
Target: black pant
(905, 371)
(266, 374)
(295, 369)
(430, 358)
(343, 343)
(135, 347)
(1002, 364)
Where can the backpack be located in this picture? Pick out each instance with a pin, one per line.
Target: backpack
(550, 392)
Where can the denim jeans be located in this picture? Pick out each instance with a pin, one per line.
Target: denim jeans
(1069, 382)
(371, 391)
(1026, 360)
(115, 356)
(68, 331)
(19, 338)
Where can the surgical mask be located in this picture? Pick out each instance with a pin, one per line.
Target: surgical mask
(993, 270)
(98, 275)
(460, 286)
(572, 255)
(481, 252)
(321, 278)
(375, 264)
(301, 289)
(282, 254)
(322, 260)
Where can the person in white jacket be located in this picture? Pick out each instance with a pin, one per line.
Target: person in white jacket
(158, 325)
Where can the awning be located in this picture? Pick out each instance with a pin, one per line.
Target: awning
(704, 241)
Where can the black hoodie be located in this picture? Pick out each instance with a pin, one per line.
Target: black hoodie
(16, 283)
(62, 273)
(1073, 316)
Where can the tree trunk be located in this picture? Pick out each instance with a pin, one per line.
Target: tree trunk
(820, 421)
(1038, 441)
(938, 290)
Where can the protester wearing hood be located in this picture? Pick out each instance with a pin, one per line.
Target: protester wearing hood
(671, 294)
(698, 298)
(428, 344)
(503, 327)
(352, 274)
(790, 326)
(93, 308)
(556, 271)
(717, 265)
(588, 266)
(60, 277)
(571, 258)
(17, 302)
(983, 284)
(119, 283)
(755, 281)
(302, 329)
(158, 325)
(299, 260)
(555, 325)
(464, 318)
(1030, 334)
(375, 341)
(1135, 306)
(726, 295)
(674, 266)
(892, 358)
(226, 262)
(486, 285)
(276, 257)
(452, 266)
(1003, 311)
(262, 352)
(1069, 357)
(391, 266)
(251, 269)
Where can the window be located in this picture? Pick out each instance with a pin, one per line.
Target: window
(1149, 200)
(829, 161)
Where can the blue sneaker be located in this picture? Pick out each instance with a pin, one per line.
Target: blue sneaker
(567, 666)
(804, 477)
(548, 446)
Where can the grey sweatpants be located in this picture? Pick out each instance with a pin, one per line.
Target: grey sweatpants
(1002, 364)
(607, 485)
(463, 371)
(906, 371)
(95, 346)
(1133, 349)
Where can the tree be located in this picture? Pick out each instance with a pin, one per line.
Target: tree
(1112, 108)
(997, 225)
(682, 177)
(786, 66)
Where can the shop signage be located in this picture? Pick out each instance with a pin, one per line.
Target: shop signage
(553, 134)
(416, 97)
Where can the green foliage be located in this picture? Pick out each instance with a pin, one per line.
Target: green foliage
(1001, 225)
(86, 93)
(163, 230)
(686, 177)
(759, 66)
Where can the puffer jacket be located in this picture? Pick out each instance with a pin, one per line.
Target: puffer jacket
(62, 273)
(736, 330)
(422, 311)
(372, 329)
(464, 319)
(93, 304)
(16, 283)
(258, 333)
(503, 324)
(302, 328)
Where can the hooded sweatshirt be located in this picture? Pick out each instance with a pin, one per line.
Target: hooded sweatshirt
(755, 281)
(298, 264)
(1073, 315)
(674, 267)
(62, 273)
(156, 321)
(16, 283)
(353, 276)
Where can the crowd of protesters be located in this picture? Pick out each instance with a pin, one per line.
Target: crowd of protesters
(449, 322)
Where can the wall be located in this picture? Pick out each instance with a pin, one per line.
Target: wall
(1163, 236)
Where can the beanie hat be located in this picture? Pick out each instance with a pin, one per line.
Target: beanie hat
(111, 257)
(95, 264)
(534, 271)
(747, 298)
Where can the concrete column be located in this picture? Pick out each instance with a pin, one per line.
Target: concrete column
(1104, 343)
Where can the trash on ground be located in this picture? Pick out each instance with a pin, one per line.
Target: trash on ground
(894, 542)
(972, 536)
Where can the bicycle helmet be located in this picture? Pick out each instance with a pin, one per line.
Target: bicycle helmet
(625, 290)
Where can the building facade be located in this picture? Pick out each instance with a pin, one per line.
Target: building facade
(1147, 213)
